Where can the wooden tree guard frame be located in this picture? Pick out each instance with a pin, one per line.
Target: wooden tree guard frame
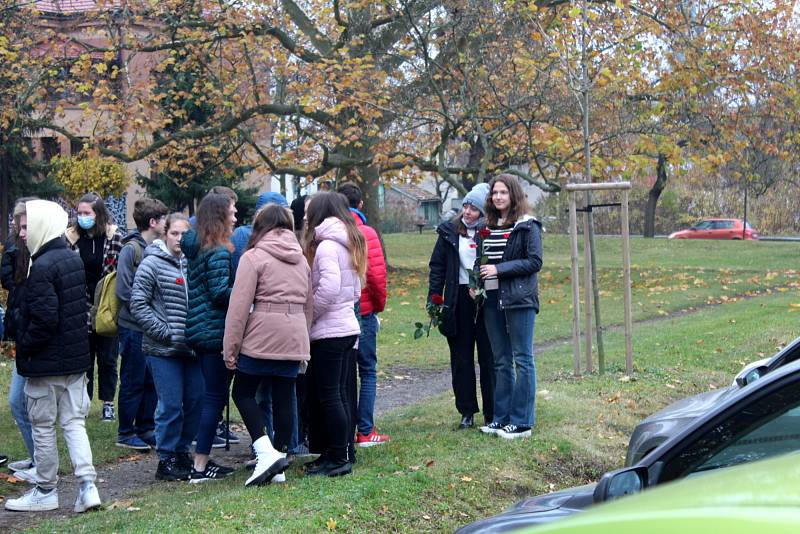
(572, 189)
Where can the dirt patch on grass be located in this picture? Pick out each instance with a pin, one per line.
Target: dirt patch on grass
(117, 483)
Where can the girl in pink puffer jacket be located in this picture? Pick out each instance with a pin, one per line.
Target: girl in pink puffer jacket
(337, 253)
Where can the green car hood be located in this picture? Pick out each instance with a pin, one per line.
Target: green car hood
(761, 496)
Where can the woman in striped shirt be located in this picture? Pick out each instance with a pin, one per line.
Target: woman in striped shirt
(512, 257)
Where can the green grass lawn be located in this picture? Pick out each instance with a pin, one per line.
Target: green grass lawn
(667, 277)
(430, 478)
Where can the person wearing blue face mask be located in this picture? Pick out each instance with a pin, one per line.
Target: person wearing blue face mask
(98, 241)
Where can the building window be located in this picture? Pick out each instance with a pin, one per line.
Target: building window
(75, 146)
(50, 148)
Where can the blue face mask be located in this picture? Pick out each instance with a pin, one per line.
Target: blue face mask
(86, 222)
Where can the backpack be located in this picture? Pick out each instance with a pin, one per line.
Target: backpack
(105, 309)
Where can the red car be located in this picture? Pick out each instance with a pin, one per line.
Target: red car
(717, 229)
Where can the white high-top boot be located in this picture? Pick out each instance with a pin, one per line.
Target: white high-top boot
(269, 462)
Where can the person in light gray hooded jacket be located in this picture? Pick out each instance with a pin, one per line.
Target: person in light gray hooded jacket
(159, 303)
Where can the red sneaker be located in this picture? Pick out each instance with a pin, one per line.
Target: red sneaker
(373, 438)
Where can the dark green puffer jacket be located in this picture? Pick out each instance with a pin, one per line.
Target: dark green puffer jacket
(210, 281)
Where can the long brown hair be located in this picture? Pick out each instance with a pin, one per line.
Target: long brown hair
(517, 198)
(212, 221)
(271, 217)
(102, 217)
(330, 204)
(23, 257)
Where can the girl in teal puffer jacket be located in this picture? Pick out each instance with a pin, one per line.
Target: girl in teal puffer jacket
(208, 249)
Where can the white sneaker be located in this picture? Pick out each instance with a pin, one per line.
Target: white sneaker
(26, 475)
(280, 478)
(34, 501)
(269, 462)
(21, 465)
(88, 498)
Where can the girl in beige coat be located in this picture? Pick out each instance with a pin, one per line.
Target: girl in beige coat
(266, 333)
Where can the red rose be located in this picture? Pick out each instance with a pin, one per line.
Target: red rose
(179, 281)
(473, 245)
(484, 232)
(506, 235)
(437, 299)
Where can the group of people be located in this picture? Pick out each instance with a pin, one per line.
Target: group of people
(280, 314)
(284, 310)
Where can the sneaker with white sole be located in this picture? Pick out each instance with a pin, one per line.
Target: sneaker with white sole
(371, 439)
(491, 428)
(514, 432)
(26, 475)
(108, 412)
(213, 471)
(35, 500)
(21, 465)
(88, 498)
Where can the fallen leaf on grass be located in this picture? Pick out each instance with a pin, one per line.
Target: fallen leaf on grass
(625, 378)
(466, 479)
(429, 463)
(614, 398)
(9, 478)
(119, 504)
(670, 386)
(426, 517)
(330, 524)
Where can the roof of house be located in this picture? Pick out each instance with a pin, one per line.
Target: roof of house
(67, 7)
(414, 191)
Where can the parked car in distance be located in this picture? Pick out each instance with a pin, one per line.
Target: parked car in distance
(758, 497)
(717, 229)
(662, 425)
(752, 423)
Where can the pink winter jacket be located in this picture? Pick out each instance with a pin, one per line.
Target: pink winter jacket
(336, 284)
(269, 312)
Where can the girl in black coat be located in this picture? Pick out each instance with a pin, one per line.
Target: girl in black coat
(512, 244)
(450, 265)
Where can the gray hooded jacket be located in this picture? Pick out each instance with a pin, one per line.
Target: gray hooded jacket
(159, 302)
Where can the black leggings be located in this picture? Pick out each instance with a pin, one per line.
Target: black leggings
(245, 387)
(331, 425)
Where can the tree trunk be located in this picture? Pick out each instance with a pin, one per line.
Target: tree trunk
(653, 196)
(5, 182)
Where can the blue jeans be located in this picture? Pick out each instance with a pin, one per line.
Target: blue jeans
(19, 409)
(217, 379)
(367, 372)
(179, 384)
(511, 336)
(137, 393)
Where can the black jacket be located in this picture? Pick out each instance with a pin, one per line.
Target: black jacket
(8, 267)
(52, 337)
(517, 271)
(443, 276)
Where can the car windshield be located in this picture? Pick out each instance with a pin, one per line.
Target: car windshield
(761, 425)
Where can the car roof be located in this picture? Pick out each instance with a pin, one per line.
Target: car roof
(792, 368)
(766, 485)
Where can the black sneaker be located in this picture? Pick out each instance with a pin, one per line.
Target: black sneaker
(213, 471)
(185, 461)
(491, 428)
(514, 432)
(108, 412)
(331, 469)
(223, 430)
(171, 470)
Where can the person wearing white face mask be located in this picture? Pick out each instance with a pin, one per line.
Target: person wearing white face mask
(98, 241)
